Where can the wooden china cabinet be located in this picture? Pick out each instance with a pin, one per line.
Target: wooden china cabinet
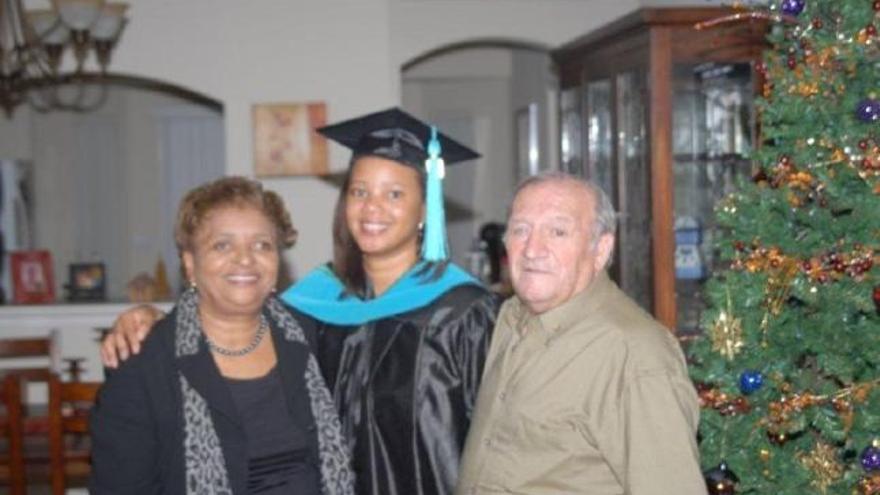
(660, 114)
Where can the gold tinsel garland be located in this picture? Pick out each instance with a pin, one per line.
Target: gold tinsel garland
(824, 464)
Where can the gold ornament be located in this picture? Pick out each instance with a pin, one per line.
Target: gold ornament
(823, 462)
(778, 287)
(870, 485)
(806, 89)
(727, 333)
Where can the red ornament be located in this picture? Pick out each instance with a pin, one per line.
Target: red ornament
(876, 297)
(759, 176)
(761, 67)
(871, 30)
(791, 62)
(777, 438)
(721, 480)
(869, 485)
(863, 143)
(817, 23)
(876, 5)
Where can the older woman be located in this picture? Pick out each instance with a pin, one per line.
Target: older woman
(225, 396)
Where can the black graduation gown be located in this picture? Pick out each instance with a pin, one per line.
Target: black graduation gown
(406, 386)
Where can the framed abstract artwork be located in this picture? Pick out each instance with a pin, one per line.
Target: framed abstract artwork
(285, 141)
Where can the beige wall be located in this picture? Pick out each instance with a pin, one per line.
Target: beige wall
(345, 52)
(242, 53)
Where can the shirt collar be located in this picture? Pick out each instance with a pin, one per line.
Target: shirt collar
(563, 317)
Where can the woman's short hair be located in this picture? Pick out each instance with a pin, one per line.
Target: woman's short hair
(225, 192)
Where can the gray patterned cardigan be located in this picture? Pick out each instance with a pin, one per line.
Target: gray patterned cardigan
(142, 425)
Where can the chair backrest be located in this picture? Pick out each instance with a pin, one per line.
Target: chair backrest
(69, 407)
(18, 355)
(12, 430)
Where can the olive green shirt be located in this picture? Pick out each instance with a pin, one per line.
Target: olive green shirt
(592, 397)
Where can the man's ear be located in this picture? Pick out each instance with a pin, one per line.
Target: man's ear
(603, 251)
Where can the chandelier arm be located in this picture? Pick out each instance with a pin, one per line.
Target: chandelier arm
(30, 65)
(37, 105)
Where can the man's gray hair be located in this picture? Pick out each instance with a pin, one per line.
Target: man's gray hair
(604, 216)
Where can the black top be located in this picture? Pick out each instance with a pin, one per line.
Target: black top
(405, 386)
(137, 427)
(278, 450)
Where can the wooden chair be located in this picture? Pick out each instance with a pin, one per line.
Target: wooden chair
(30, 360)
(33, 359)
(69, 445)
(11, 430)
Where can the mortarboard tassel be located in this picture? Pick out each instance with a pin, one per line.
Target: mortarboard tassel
(434, 248)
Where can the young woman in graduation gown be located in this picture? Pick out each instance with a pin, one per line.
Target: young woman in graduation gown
(401, 332)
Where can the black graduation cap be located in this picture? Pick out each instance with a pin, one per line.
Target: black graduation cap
(395, 135)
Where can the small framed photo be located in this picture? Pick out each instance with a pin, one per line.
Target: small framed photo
(285, 141)
(88, 282)
(32, 280)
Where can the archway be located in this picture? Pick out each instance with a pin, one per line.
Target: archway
(104, 185)
(499, 96)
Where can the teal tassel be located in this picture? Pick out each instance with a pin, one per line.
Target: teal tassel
(434, 247)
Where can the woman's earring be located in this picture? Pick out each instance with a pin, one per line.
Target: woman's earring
(421, 226)
(193, 287)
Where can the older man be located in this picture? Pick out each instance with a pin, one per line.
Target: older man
(583, 392)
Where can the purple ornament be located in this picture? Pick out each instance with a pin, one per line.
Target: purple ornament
(793, 7)
(871, 459)
(868, 110)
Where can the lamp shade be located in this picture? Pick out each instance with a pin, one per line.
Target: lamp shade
(79, 15)
(109, 22)
(48, 26)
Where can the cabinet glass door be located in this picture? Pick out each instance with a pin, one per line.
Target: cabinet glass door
(712, 131)
(634, 190)
(571, 135)
(599, 135)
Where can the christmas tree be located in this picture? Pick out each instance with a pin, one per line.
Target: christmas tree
(788, 367)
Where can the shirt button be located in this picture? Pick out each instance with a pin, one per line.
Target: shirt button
(487, 442)
(502, 396)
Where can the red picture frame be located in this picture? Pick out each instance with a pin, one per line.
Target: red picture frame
(32, 279)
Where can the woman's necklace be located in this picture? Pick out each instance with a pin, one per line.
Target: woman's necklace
(258, 337)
